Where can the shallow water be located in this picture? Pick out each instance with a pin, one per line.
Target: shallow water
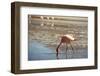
(38, 51)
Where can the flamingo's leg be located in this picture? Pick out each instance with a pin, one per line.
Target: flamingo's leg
(57, 50)
(66, 50)
(72, 48)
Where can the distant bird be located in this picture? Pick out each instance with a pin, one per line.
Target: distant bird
(65, 39)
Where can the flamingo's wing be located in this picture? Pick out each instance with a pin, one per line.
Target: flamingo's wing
(70, 37)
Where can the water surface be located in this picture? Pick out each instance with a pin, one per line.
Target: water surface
(38, 51)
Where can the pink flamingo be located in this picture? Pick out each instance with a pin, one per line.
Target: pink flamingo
(67, 39)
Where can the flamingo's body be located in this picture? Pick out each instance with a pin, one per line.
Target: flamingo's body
(67, 39)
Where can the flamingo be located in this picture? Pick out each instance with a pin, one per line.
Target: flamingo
(67, 39)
